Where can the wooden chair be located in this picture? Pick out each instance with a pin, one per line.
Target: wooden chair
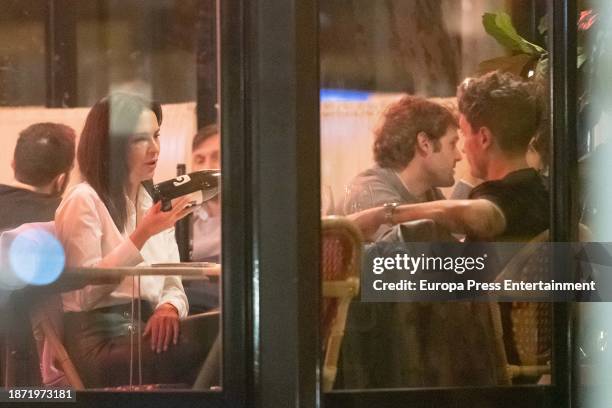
(46, 318)
(340, 261)
(531, 331)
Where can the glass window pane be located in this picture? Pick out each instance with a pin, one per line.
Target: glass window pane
(120, 46)
(594, 200)
(22, 53)
(122, 269)
(395, 133)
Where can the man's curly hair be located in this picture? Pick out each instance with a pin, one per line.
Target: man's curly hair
(510, 107)
(395, 140)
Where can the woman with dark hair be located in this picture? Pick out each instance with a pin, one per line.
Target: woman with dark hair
(109, 220)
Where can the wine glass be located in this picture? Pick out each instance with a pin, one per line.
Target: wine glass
(358, 197)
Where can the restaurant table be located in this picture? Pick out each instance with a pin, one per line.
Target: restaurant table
(186, 270)
(18, 364)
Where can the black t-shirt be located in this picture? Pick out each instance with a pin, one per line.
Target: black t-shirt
(523, 198)
(19, 206)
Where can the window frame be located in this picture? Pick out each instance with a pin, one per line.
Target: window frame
(269, 114)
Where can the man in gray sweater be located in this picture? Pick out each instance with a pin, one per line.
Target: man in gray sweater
(415, 152)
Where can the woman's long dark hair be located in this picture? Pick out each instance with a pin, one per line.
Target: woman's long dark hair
(103, 148)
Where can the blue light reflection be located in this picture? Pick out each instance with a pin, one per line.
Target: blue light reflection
(36, 257)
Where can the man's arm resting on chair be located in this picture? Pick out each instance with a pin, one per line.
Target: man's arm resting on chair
(480, 217)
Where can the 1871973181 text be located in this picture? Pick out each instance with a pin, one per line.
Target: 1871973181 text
(27, 394)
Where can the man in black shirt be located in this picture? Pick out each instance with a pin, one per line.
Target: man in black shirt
(523, 199)
(499, 116)
(43, 158)
(22, 205)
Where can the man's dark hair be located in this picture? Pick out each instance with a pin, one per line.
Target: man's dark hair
(103, 148)
(43, 151)
(395, 141)
(204, 133)
(510, 107)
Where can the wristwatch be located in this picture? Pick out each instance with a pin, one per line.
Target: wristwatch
(389, 211)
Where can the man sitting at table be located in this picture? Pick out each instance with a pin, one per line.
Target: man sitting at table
(206, 221)
(206, 154)
(42, 160)
(415, 152)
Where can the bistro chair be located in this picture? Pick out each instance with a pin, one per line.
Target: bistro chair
(340, 260)
(531, 331)
(56, 365)
(22, 337)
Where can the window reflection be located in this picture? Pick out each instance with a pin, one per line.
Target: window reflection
(130, 45)
(22, 46)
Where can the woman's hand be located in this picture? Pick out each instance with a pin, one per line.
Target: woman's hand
(155, 220)
(163, 327)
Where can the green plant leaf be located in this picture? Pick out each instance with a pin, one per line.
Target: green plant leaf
(499, 26)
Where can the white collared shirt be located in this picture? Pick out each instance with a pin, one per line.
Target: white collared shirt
(206, 235)
(90, 238)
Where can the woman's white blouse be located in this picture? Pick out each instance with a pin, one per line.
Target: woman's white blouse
(90, 238)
